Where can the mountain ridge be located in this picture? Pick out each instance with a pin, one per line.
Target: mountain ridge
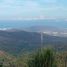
(17, 41)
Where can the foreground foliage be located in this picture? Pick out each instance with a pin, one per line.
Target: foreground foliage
(40, 58)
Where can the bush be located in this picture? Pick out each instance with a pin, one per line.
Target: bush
(42, 58)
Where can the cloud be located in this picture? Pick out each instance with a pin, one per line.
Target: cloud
(49, 1)
(19, 9)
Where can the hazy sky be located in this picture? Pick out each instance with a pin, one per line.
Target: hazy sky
(19, 9)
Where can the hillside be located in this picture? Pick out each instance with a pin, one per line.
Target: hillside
(50, 30)
(17, 41)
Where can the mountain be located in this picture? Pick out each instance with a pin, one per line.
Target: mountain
(50, 30)
(15, 41)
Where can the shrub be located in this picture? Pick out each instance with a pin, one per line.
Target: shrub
(42, 58)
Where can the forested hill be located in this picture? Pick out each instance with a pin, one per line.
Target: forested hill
(16, 41)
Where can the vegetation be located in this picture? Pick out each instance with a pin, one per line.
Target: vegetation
(18, 41)
(41, 58)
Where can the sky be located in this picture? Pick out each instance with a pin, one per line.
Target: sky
(33, 9)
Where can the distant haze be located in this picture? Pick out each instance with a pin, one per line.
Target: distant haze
(29, 23)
